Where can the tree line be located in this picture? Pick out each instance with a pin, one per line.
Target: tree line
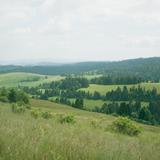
(146, 113)
(13, 96)
(139, 94)
(108, 80)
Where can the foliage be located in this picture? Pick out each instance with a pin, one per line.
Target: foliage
(78, 103)
(124, 125)
(135, 110)
(108, 80)
(4, 99)
(67, 118)
(13, 96)
(18, 108)
(46, 115)
(139, 94)
(35, 113)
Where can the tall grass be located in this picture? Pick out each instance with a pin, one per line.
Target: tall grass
(23, 137)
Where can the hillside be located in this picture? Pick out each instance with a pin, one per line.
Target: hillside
(23, 137)
(147, 68)
(72, 68)
(103, 89)
(25, 79)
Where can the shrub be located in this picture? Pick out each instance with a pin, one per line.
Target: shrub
(15, 95)
(95, 124)
(27, 106)
(46, 115)
(67, 119)
(38, 113)
(114, 114)
(134, 115)
(4, 99)
(125, 126)
(17, 108)
(35, 113)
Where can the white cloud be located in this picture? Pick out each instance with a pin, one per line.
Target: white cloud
(46, 28)
(21, 30)
(141, 41)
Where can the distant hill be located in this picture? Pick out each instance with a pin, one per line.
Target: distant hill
(148, 68)
(72, 68)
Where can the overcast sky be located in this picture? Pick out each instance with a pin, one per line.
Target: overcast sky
(79, 30)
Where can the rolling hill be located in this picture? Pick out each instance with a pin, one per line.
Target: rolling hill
(27, 138)
(147, 68)
(25, 79)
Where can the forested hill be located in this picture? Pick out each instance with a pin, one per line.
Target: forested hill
(73, 68)
(148, 68)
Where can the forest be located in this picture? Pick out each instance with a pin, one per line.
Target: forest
(123, 102)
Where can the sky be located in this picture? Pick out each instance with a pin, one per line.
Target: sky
(79, 30)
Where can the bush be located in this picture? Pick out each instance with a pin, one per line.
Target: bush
(15, 95)
(125, 126)
(35, 113)
(4, 99)
(17, 108)
(67, 119)
(38, 113)
(46, 115)
(95, 124)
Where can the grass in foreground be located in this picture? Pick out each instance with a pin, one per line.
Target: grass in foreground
(23, 137)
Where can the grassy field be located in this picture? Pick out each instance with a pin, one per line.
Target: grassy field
(106, 88)
(90, 104)
(25, 79)
(23, 137)
(89, 77)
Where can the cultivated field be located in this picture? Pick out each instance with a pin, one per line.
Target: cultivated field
(27, 138)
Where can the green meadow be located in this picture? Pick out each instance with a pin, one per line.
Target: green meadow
(103, 89)
(91, 76)
(25, 79)
(27, 138)
(90, 104)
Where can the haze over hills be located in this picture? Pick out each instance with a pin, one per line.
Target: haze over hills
(143, 67)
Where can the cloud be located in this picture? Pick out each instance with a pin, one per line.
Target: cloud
(141, 41)
(103, 29)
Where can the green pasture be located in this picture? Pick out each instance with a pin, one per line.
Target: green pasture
(89, 77)
(90, 104)
(25, 79)
(103, 89)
